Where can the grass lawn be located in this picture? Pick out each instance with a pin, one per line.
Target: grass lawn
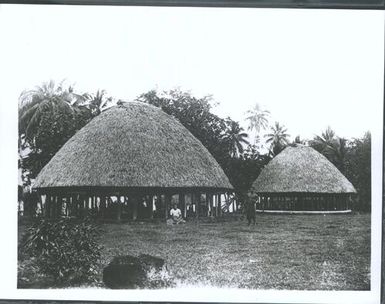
(330, 252)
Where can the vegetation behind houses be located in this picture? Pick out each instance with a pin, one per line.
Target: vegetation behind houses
(51, 114)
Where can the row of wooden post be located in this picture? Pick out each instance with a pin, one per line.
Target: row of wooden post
(302, 203)
(81, 204)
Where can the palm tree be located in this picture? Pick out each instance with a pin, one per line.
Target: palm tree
(235, 137)
(298, 140)
(258, 119)
(278, 139)
(48, 98)
(99, 102)
(323, 143)
(339, 150)
(331, 146)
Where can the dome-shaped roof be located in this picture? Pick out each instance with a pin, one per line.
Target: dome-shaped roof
(133, 145)
(301, 169)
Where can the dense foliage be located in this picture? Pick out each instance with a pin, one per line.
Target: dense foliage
(352, 158)
(358, 169)
(67, 251)
(224, 138)
(50, 115)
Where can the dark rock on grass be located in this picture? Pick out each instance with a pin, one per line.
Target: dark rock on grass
(132, 272)
(124, 272)
(150, 261)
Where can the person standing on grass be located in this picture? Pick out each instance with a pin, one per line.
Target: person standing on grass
(176, 215)
(250, 211)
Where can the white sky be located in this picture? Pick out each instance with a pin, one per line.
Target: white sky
(309, 68)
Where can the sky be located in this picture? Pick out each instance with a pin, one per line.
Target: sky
(309, 68)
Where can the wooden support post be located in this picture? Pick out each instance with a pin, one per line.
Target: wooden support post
(53, 206)
(211, 205)
(46, 205)
(167, 204)
(207, 204)
(68, 205)
(80, 206)
(86, 204)
(215, 204)
(182, 203)
(197, 199)
(43, 204)
(72, 206)
(102, 206)
(158, 205)
(134, 204)
(50, 206)
(59, 206)
(118, 208)
(73, 209)
(151, 201)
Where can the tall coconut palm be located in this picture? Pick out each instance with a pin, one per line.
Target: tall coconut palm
(258, 119)
(235, 138)
(278, 138)
(43, 99)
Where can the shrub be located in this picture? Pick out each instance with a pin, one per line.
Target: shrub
(65, 249)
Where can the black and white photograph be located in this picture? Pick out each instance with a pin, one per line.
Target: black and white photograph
(191, 153)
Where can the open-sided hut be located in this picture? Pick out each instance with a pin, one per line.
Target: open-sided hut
(133, 159)
(300, 179)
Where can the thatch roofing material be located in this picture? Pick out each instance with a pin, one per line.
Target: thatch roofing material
(133, 145)
(301, 169)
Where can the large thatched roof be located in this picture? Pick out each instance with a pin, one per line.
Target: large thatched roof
(133, 145)
(301, 169)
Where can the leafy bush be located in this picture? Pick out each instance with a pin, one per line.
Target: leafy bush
(65, 249)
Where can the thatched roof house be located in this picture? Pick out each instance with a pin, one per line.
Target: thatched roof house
(303, 177)
(132, 148)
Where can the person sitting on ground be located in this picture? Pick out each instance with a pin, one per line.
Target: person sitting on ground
(176, 215)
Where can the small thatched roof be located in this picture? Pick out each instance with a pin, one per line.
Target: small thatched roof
(301, 169)
(133, 145)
